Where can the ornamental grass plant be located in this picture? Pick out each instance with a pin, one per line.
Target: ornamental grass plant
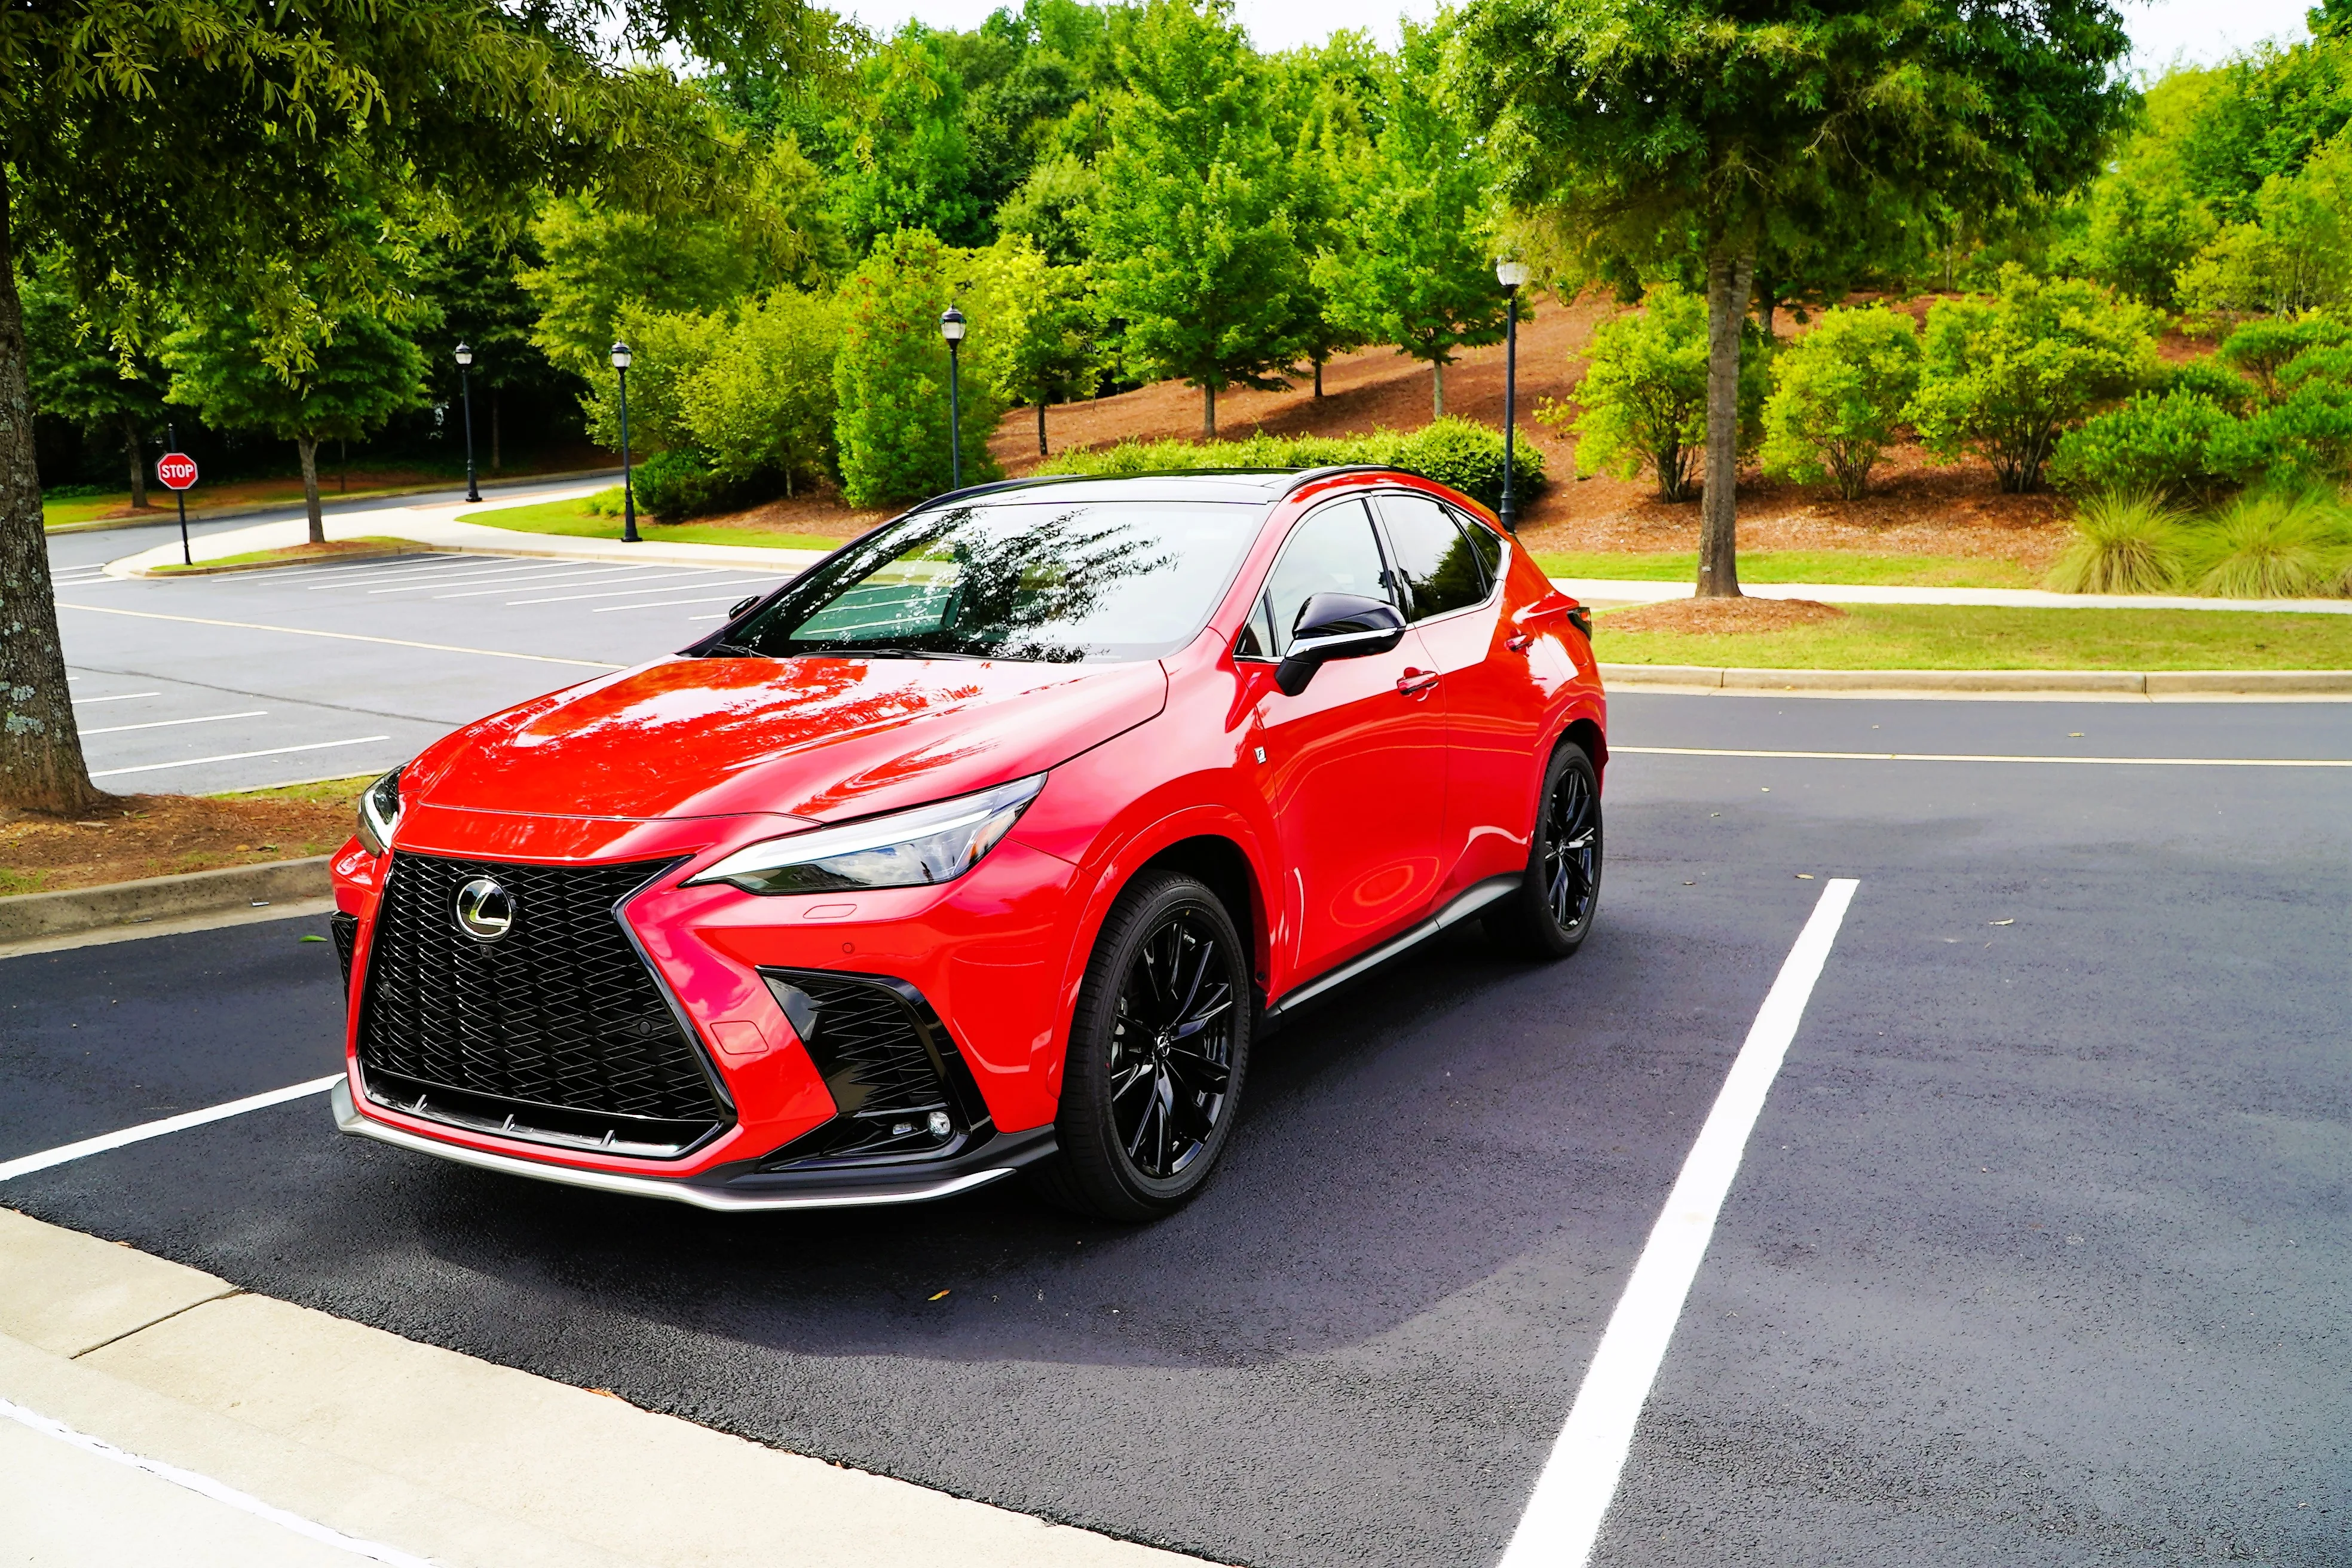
(2273, 544)
(2125, 542)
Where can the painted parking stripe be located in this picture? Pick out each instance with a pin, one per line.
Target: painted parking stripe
(66, 1153)
(677, 603)
(1992, 757)
(219, 1492)
(1580, 1477)
(236, 756)
(169, 724)
(118, 697)
(340, 637)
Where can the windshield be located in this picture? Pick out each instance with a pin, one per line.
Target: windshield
(1095, 581)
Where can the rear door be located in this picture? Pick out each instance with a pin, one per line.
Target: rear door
(1451, 571)
(1354, 767)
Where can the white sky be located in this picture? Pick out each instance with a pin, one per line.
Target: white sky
(2201, 30)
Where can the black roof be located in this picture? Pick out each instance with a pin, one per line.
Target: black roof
(1239, 484)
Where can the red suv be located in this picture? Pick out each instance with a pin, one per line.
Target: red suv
(986, 844)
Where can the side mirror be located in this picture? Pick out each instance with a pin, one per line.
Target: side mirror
(1336, 625)
(735, 610)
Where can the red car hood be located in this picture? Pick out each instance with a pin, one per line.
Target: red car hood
(813, 737)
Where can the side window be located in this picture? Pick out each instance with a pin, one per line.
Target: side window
(1333, 552)
(1487, 544)
(1432, 556)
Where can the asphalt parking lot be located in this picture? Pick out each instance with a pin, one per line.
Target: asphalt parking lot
(2037, 1254)
(247, 679)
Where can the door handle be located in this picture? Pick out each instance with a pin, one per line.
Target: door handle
(1518, 644)
(1414, 682)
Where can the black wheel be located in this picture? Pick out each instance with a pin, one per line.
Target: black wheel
(1549, 914)
(1156, 1052)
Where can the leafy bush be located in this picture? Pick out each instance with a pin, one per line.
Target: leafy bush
(1837, 393)
(1644, 394)
(2293, 255)
(2005, 377)
(680, 483)
(2260, 350)
(2208, 378)
(1453, 451)
(2273, 544)
(2182, 444)
(2125, 542)
(891, 377)
(762, 408)
(2305, 438)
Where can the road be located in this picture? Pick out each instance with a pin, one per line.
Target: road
(248, 679)
(2037, 1256)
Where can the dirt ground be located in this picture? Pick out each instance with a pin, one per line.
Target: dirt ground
(158, 835)
(1718, 617)
(1916, 508)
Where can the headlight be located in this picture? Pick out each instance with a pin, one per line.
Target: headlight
(380, 812)
(905, 849)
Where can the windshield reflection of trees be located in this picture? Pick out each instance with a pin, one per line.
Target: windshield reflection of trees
(1033, 590)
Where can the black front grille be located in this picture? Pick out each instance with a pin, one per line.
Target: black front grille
(558, 1024)
(887, 1062)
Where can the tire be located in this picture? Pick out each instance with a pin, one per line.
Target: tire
(1551, 913)
(1154, 1073)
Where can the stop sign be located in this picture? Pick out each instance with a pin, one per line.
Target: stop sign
(177, 470)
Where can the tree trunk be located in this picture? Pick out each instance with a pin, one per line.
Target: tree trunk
(1437, 389)
(1319, 378)
(1728, 279)
(1041, 427)
(1208, 412)
(308, 446)
(138, 462)
(342, 467)
(1767, 298)
(41, 768)
(494, 430)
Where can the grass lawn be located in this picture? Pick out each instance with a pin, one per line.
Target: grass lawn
(366, 544)
(1799, 566)
(1940, 637)
(576, 519)
(322, 792)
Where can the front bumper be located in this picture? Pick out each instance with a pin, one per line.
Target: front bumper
(747, 1189)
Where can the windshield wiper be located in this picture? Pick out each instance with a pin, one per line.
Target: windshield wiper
(868, 650)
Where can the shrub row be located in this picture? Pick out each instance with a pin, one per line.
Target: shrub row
(1453, 451)
(2269, 543)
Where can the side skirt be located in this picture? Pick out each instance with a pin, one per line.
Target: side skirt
(1468, 902)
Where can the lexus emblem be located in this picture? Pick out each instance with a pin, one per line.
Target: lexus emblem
(486, 912)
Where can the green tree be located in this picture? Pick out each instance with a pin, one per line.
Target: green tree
(77, 375)
(2293, 255)
(1644, 394)
(357, 373)
(2005, 377)
(764, 404)
(1838, 394)
(891, 378)
(1640, 134)
(250, 126)
(904, 159)
(1193, 232)
(1042, 343)
(466, 280)
(1411, 263)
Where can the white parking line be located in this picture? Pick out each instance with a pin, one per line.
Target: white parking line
(235, 756)
(219, 1492)
(1988, 757)
(168, 723)
(118, 697)
(702, 580)
(26, 1164)
(341, 637)
(530, 582)
(670, 604)
(1580, 1477)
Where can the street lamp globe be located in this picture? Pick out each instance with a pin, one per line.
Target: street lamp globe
(951, 324)
(1511, 274)
(465, 355)
(621, 356)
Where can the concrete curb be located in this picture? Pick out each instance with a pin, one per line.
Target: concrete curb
(2084, 682)
(164, 515)
(27, 916)
(340, 558)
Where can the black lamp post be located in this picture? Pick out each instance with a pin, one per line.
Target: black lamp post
(952, 328)
(621, 357)
(1513, 277)
(466, 386)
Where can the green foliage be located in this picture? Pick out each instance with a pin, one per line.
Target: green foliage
(361, 372)
(2273, 544)
(678, 484)
(904, 159)
(2260, 350)
(1052, 209)
(2180, 444)
(2208, 378)
(77, 375)
(2291, 254)
(1837, 396)
(1041, 336)
(2143, 223)
(1193, 232)
(2126, 542)
(2005, 377)
(2307, 436)
(2263, 115)
(892, 376)
(1411, 263)
(1453, 451)
(1643, 395)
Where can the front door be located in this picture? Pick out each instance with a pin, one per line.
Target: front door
(1355, 766)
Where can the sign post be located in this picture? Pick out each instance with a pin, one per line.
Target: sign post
(177, 470)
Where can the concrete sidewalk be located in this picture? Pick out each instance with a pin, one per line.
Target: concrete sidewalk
(150, 1413)
(1610, 591)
